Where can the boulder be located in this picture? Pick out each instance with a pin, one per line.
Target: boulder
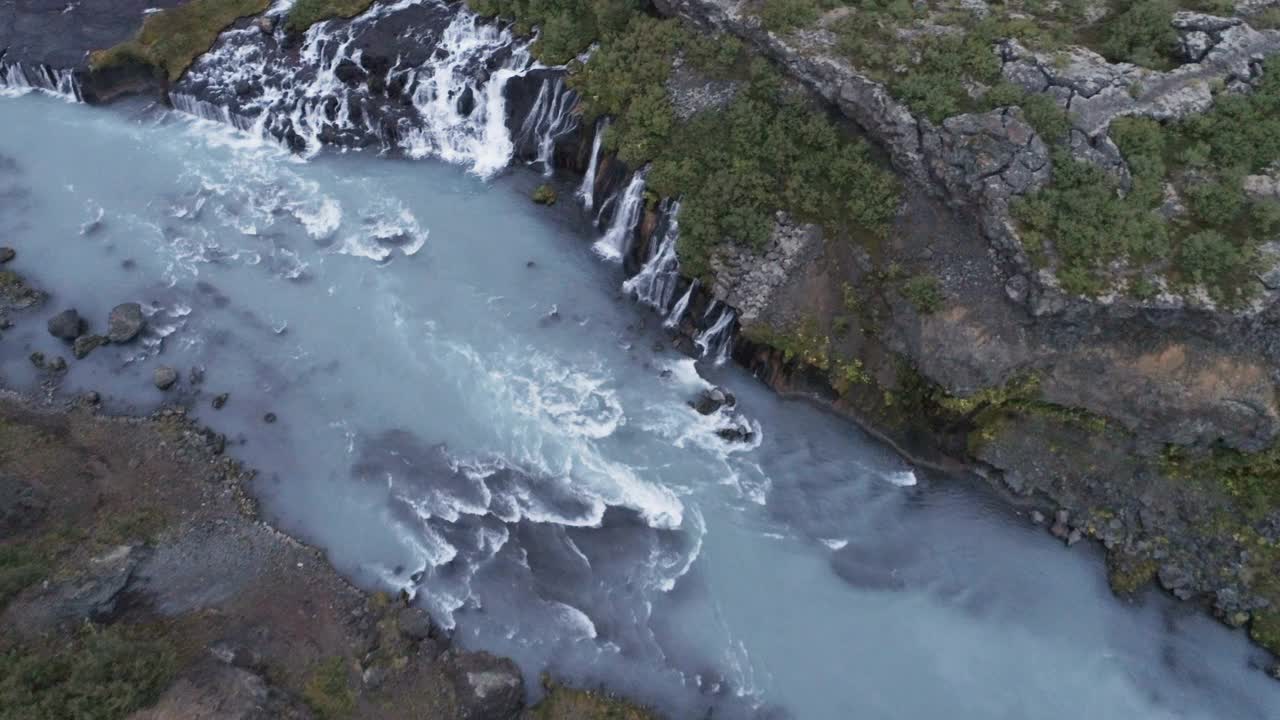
(125, 322)
(486, 686)
(7, 254)
(414, 623)
(86, 344)
(164, 377)
(67, 325)
(709, 401)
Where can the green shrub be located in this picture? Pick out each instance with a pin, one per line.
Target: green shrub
(21, 565)
(1209, 257)
(924, 293)
(783, 15)
(1218, 201)
(1140, 32)
(328, 692)
(306, 13)
(103, 674)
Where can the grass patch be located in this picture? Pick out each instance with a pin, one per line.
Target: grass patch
(170, 40)
(328, 693)
(306, 13)
(924, 293)
(101, 674)
(21, 565)
(562, 702)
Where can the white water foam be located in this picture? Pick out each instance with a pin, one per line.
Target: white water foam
(655, 284)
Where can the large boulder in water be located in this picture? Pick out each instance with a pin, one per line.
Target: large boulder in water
(125, 322)
(711, 400)
(66, 325)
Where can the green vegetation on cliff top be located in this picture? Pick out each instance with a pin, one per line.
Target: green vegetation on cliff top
(1092, 225)
(306, 13)
(170, 40)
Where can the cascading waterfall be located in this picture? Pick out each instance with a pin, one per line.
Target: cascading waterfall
(655, 284)
(717, 340)
(418, 77)
(20, 78)
(587, 190)
(682, 305)
(617, 239)
(551, 118)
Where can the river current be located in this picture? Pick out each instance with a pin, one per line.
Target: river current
(470, 408)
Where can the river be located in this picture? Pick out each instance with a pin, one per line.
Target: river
(470, 409)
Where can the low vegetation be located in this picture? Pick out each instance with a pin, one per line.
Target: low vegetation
(544, 194)
(99, 674)
(1095, 228)
(328, 692)
(170, 40)
(306, 13)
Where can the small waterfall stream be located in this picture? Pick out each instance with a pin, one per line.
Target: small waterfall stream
(16, 77)
(551, 118)
(655, 284)
(618, 238)
(587, 190)
(716, 342)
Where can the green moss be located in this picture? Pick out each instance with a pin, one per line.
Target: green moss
(101, 674)
(306, 13)
(1250, 480)
(924, 293)
(21, 565)
(1127, 575)
(1020, 389)
(1265, 630)
(562, 703)
(170, 40)
(328, 691)
(544, 194)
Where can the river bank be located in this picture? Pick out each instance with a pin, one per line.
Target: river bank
(132, 550)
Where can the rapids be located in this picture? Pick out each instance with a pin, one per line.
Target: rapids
(473, 407)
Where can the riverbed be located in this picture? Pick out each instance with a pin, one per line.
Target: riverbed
(467, 407)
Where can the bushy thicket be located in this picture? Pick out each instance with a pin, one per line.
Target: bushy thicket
(769, 149)
(1092, 224)
(565, 27)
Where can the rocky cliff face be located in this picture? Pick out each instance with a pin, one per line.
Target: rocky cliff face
(1074, 401)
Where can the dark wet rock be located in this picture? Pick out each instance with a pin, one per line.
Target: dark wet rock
(711, 400)
(1037, 517)
(58, 364)
(91, 398)
(269, 418)
(37, 359)
(349, 73)
(164, 377)
(7, 254)
(486, 686)
(414, 623)
(21, 506)
(16, 293)
(736, 433)
(86, 344)
(125, 322)
(220, 400)
(67, 325)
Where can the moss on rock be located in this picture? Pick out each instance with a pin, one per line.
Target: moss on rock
(170, 40)
(306, 13)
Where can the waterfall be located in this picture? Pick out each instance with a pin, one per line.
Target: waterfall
(682, 305)
(655, 284)
(717, 341)
(17, 77)
(422, 78)
(617, 239)
(551, 118)
(587, 191)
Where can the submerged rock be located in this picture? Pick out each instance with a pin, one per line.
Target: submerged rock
(67, 325)
(86, 344)
(7, 254)
(16, 293)
(220, 400)
(125, 322)
(164, 377)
